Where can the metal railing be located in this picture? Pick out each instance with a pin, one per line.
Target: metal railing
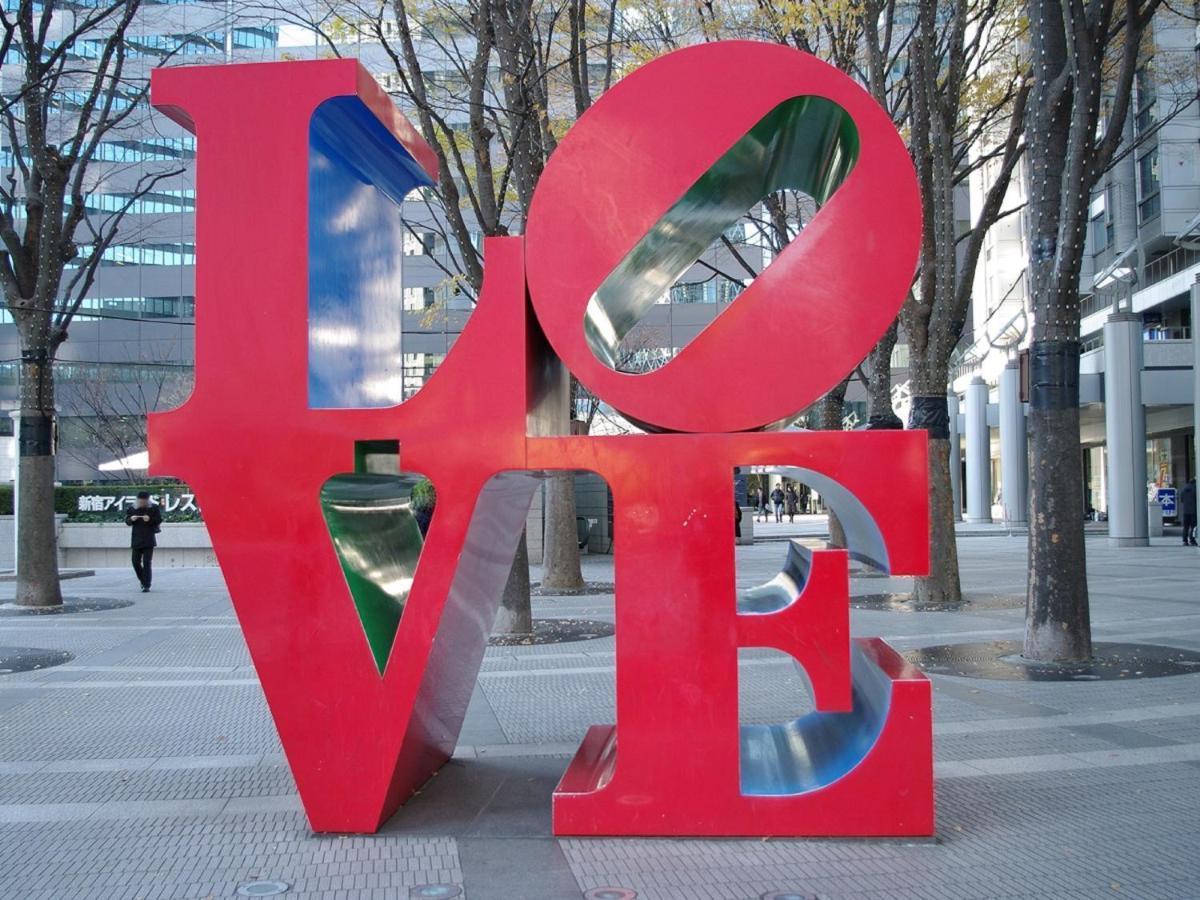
(1152, 334)
(1169, 264)
(1168, 333)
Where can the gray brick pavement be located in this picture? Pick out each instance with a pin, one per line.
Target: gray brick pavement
(149, 766)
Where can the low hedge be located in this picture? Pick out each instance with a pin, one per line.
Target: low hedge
(176, 499)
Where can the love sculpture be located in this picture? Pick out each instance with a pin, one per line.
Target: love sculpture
(367, 654)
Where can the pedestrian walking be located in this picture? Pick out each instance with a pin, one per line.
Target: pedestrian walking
(760, 503)
(777, 502)
(793, 502)
(737, 519)
(1187, 506)
(145, 518)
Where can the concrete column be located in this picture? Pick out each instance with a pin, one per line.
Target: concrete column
(1196, 377)
(1014, 453)
(16, 448)
(955, 456)
(1125, 430)
(979, 470)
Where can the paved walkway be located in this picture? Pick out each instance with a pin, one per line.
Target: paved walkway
(149, 767)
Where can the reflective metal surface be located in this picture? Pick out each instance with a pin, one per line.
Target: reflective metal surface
(784, 588)
(371, 522)
(816, 749)
(807, 144)
(864, 540)
(358, 175)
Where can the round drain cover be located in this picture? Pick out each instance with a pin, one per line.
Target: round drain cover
(69, 605)
(783, 895)
(261, 888)
(434, 891)
(1002, 661)
(556, 631)
(610, 893)
(29, 659)
(903, 602)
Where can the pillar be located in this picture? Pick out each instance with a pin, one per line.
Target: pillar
(979, 464)
(16, 449)
(1014, 453)
(1196, 377)
(1125, 430)
(955, 456)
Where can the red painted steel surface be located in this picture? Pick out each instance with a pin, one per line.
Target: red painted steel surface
(678, 632)
(889, 794)
(635, 152)
(359, 743)
(257, 456)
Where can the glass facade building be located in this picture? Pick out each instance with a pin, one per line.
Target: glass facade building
(135, 324)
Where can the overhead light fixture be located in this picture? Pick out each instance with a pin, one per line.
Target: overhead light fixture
(1117, 271)
(1186, 238)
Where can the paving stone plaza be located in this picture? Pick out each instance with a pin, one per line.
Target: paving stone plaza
(148, 767)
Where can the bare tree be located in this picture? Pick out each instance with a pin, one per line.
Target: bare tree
(491, 86)
(1084, 59)
(65, 103)
(967, 87)
(109, 410)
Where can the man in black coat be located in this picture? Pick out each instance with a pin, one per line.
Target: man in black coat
(144, 519)
(1187, 508)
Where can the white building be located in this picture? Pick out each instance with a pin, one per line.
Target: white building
(1138, 348)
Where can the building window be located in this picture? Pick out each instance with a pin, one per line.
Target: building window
(1100, 224)
(420, 243)
(418, 298)
(182, 254)
(688, 293)
(148, 203)
(714, 290)
(1149, 202)
(1147, 97)
(417, 369)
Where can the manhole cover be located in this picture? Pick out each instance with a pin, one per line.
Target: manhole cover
(610, 893)
(262, 888)
(556, 631)
(69, 605)
(1002, 661)
(783, 895)
(434, 891)
(29, 659)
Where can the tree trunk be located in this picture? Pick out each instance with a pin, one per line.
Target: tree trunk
(1059, 139)
(560, 560)
(830, 411)
(560, 565)
(516, 613)
(1057, 617)
(837, 534)
(942, 584)
(37, 542)
(879, 383)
